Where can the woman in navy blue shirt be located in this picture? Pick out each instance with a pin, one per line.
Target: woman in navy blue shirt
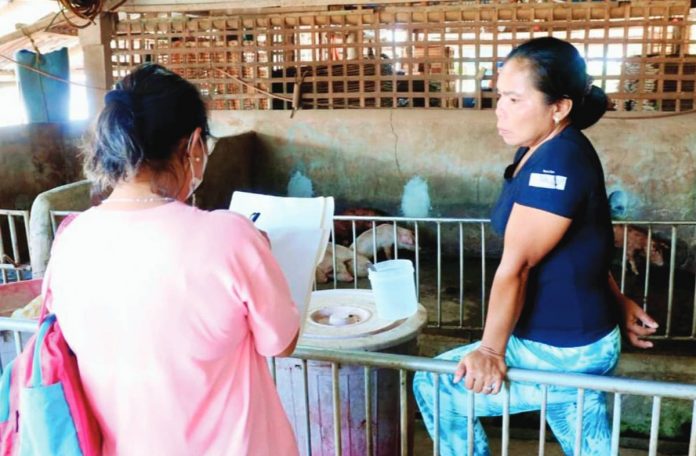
(553, 305)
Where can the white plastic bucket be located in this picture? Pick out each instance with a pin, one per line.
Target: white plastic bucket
(394, 289)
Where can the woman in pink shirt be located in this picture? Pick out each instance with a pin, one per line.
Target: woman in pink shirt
(170, 310)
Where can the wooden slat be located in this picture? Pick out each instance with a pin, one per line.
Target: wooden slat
(410, 56)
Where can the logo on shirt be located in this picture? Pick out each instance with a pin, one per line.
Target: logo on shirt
(552, 181)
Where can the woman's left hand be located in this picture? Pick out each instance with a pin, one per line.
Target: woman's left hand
(484, 371)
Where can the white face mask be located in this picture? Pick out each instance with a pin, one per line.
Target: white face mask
(195, 180)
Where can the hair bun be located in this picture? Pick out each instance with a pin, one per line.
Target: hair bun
(119, 96)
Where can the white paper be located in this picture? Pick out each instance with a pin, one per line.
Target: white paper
(299, 230)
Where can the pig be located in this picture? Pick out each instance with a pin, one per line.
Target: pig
(637, 242)
(343, 229)
(384, 239)
(345, 271)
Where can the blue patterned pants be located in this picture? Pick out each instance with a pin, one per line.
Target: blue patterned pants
(597, 358)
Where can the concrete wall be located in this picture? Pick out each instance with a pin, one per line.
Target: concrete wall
(35, 158)
(366, 157)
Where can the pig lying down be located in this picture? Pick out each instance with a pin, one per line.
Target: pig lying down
(345, 271)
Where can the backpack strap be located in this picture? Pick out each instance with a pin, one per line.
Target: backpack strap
(36, 375)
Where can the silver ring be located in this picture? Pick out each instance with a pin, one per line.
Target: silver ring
(490, 387)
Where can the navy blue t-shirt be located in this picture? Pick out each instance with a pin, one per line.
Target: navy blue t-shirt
(568, 301)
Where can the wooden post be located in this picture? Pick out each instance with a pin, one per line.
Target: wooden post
(95, 41)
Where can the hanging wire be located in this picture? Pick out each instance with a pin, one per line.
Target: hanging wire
(84, 9)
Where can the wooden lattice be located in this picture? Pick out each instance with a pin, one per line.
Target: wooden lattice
(642, 54)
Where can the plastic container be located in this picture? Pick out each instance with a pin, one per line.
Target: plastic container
(394, 289)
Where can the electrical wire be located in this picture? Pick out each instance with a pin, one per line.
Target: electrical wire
(87, 10)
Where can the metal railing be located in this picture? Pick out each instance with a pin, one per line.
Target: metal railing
(14, 266)
(403, 364)
(463, 244)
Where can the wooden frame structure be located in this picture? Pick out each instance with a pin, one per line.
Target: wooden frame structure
(643, 54)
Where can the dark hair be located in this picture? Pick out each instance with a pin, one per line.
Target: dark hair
(143, 121)
(560, 72)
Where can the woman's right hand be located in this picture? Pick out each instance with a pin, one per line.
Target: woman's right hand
(637, 323)
(483, 370)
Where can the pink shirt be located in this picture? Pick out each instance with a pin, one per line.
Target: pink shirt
(170, 311)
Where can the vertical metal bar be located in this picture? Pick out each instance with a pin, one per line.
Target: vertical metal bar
(461, 275)
(374, 240)
(17, 342)
(693, 318)
(580, 410)
(368, 411)
(654, 426)
(616, 425)
(436, 417)
(333, 255)
(670, 290)
(415, 226)
(14, 240)
(355, 255)
(505, 444)
(647, 269)
(25, 215)
(542, 419)
(623, 257)
(336, 408)
(483, 274)
(403, 407)
(305, 386)
(272, 366)
(692, 439)
(3, 271)
(54, 226)
(470, 416)
(439, 274)
(396, 242)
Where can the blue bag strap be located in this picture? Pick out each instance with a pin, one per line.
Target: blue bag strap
(36, 377)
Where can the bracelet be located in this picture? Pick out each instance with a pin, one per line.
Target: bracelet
(489, 351)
